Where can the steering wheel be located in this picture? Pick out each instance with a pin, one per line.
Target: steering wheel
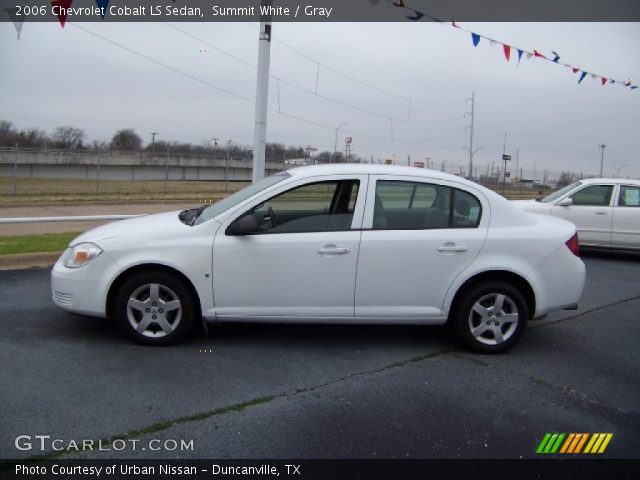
(272, 217)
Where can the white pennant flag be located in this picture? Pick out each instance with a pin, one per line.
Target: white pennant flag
(15, 18)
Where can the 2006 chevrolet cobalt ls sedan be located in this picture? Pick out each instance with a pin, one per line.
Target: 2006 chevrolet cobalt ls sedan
(332, 243)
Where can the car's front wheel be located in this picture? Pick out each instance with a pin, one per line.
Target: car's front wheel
(490, 317)
(155, 308)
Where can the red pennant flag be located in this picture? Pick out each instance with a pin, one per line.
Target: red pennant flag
(399, 3)
(62, 5)
(538, 54)
(453, 24)
(507, 51)
(575, 70)
(604, 80)
(627, 83)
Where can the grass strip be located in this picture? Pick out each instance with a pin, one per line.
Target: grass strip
(45, 242)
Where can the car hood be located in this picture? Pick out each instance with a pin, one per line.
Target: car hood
(147, 225)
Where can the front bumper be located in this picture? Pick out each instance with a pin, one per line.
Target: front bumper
(82, 290)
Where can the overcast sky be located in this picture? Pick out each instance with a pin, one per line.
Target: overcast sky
(55, 76)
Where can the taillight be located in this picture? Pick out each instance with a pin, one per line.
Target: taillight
(572, 244)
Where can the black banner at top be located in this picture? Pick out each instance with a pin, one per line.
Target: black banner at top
(320, 10)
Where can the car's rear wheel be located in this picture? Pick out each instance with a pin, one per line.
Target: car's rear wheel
(490, 317)
(155, 308)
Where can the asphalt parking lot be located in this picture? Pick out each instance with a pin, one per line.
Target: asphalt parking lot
(302, 391)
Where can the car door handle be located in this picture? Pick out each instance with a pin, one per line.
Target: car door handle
(332, 250)
(600, 212)
(452, 248)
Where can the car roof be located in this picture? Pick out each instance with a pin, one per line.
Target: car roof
(629, 181)
(373, 169)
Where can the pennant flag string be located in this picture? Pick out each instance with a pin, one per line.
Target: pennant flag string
(475, 38)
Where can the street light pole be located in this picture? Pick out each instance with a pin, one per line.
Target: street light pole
(335, 143)
(601, 147)
(618, 169)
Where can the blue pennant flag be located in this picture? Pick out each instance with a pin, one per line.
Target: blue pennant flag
(584, 74)
(103, 5)
(556, 57)
(475, 38)
(418, 16)
(634, 87)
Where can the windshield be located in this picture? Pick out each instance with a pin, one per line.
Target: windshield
(558, 193)
(240, 196)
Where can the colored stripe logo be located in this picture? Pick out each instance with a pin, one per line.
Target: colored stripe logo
(574, 443)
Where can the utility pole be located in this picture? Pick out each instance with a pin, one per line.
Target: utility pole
(504, 158)
(601, 147)
(226, 166)
(153, 142)
(470, 149)
(518, 161)
(262, 96)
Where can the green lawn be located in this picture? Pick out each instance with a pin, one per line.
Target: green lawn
(47, 242)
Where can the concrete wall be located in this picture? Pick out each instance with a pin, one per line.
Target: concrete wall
(114, 166)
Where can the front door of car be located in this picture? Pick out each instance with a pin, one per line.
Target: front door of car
(301, 259)
(417, 238)
(625, 232)
(591, 212)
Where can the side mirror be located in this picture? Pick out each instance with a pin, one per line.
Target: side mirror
(565, 202)
(245, 225)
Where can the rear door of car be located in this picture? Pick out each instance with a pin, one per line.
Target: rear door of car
(591, 212)
(414, 244)
(625, 232)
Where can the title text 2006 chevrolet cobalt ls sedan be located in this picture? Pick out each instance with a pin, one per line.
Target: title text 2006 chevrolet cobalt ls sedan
(333, 243)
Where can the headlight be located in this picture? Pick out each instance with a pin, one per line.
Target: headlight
(81, 254)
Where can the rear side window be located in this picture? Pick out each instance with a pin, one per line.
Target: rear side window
(629, 196)
(466, 209)
(401, 205)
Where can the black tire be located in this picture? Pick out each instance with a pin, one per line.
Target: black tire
(482, 325)
(164, 315)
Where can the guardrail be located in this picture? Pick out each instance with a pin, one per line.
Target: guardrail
(68, 218)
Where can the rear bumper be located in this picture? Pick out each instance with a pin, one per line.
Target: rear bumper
(560, 280)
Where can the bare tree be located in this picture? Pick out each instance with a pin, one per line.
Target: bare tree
(126, 139)
(565, 179)
(68, 137)
(33, 138)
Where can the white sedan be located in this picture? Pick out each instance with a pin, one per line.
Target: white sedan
(606, 211)
(332, 243)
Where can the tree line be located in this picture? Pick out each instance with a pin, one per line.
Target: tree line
(127, 140)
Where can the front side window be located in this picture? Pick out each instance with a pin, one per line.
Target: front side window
(238, 197)
(629, 196)
(316, 207)
(401, 205)
(552, 197)
(594, 195)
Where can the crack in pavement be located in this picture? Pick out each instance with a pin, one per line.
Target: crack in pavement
(166, 424)
(581, 314)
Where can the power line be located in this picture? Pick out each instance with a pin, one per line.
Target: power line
(358, 81)
(306, 90)
(245, 99)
